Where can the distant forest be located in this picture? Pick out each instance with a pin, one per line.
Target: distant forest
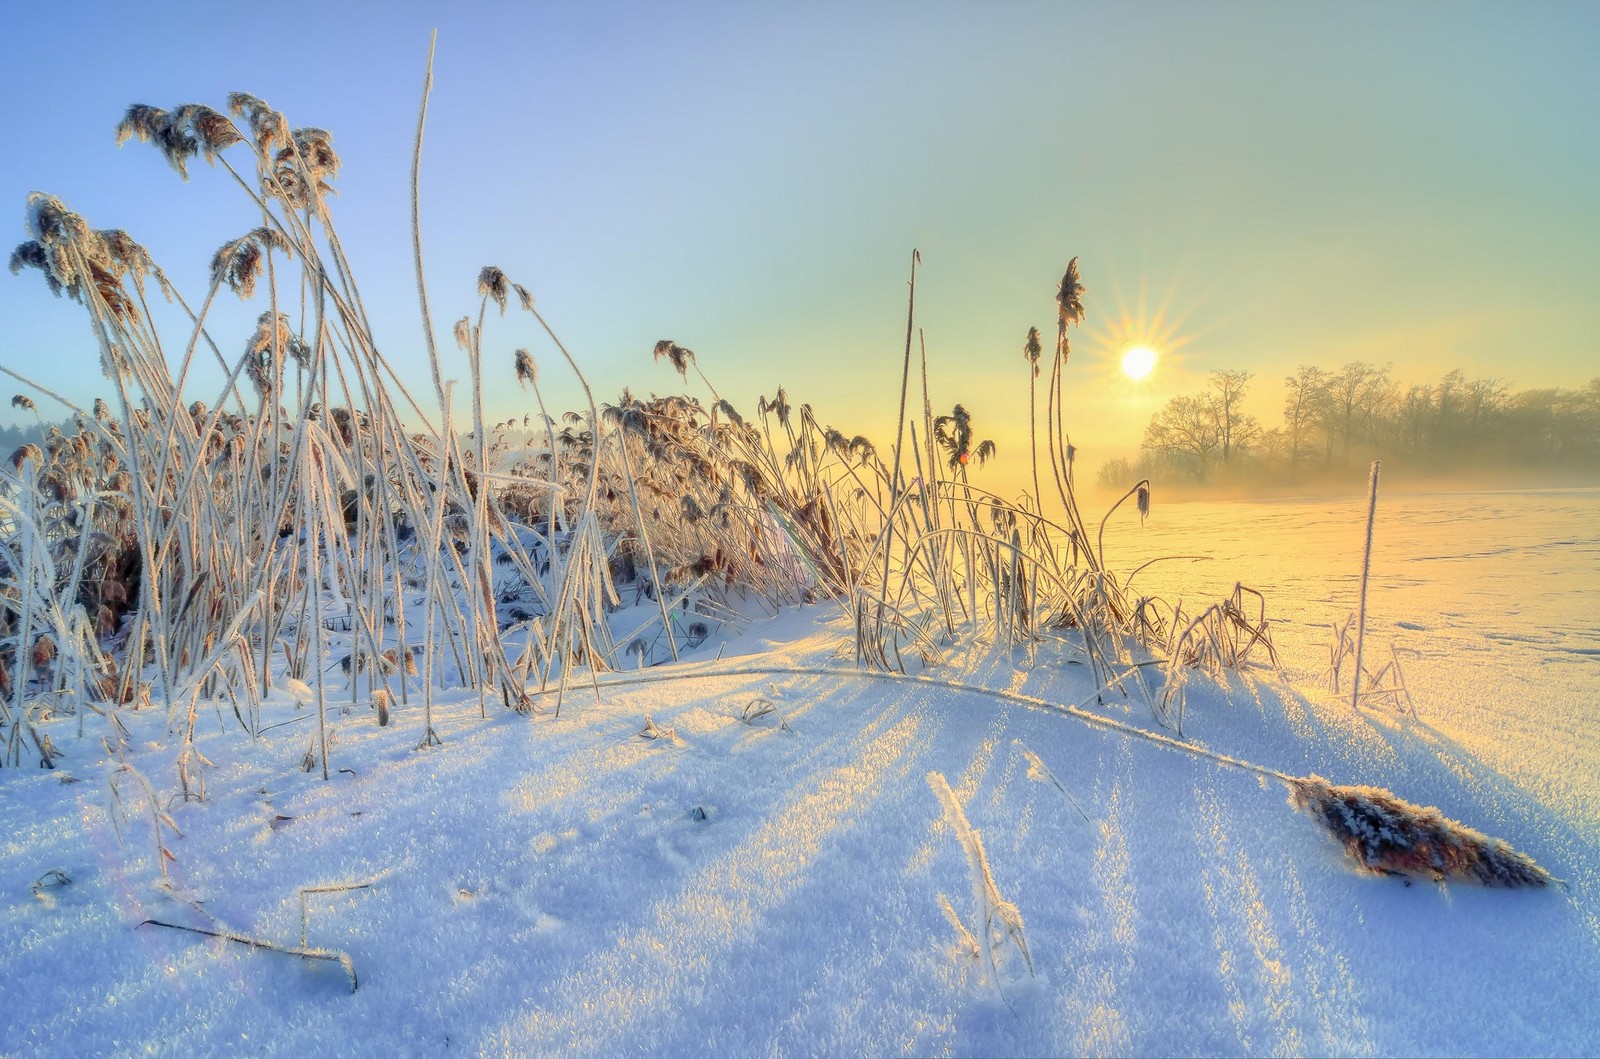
(27, 433)
(1335, 421)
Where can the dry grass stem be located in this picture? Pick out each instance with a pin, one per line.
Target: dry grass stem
(330, 955)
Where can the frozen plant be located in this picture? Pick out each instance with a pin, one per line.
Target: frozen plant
(652, 730)
(996, 921)
(1038, 772)
(1387, 835)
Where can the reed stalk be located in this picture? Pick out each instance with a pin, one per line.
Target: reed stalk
(1366, 571)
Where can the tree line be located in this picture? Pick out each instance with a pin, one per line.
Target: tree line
(1334, 420)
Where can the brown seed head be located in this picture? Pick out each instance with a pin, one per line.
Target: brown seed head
(267, 127)
(26, 452)
(1069, 296)
(492, 283)
(1031, 349)
(527, 371)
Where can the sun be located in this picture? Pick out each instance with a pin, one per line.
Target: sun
(1138, 362)
(1139, 340)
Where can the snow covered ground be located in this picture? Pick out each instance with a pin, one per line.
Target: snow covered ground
(1489, 599)
(771, 884)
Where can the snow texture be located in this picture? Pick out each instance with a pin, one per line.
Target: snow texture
(772, 874)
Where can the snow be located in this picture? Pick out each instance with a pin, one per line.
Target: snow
(771, 885)
(1488, 598)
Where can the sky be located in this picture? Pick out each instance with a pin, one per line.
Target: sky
(1247, 187)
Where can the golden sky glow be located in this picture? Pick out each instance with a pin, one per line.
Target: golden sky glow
(1247, 187)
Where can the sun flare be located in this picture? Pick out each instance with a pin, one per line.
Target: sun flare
(1138, 362)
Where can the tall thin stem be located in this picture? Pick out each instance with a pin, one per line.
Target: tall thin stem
(896, 478)
(416, 221)
(905, 379)
(1366, 570)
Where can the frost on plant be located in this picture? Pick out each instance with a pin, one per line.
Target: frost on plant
(1038, 772)
(1387, 835)
(652, 730)
(996, 921)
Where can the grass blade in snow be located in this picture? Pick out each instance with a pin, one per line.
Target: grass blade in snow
(342, 959)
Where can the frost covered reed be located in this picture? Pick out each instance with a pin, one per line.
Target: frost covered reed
(303, 499)
(996, 924)
(316, 508)
(179, 552)
(1386, 835)
(1366, 571)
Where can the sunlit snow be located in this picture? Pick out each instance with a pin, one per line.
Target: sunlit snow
(768, 882)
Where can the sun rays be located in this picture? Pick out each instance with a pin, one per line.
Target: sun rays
(1139, 344)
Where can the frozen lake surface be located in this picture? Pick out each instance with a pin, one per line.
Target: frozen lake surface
(1490, 599)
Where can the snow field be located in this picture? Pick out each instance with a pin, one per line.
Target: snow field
(565, 886)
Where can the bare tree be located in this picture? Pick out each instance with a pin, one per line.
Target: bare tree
(1306, 390)
(1448, 398)
(1235, 429)
(1484, 399)
(1354, 392)
(1413, 414)
(1186, 434)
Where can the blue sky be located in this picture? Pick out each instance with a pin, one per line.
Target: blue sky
(1253, 185)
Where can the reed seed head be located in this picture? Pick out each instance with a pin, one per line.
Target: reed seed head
(780, 405)
(268, 128)
(31, 255)
(303, 167)
(315, 147)
(238, 263)
(212, 131)
(141, 120)
(126, 255)
(1069, 296)
(162, 128)
(273, 337)
(527, 372)
(678, 355)
(74, 257)
(25, 453)
(1384, 834)
(492, 283)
